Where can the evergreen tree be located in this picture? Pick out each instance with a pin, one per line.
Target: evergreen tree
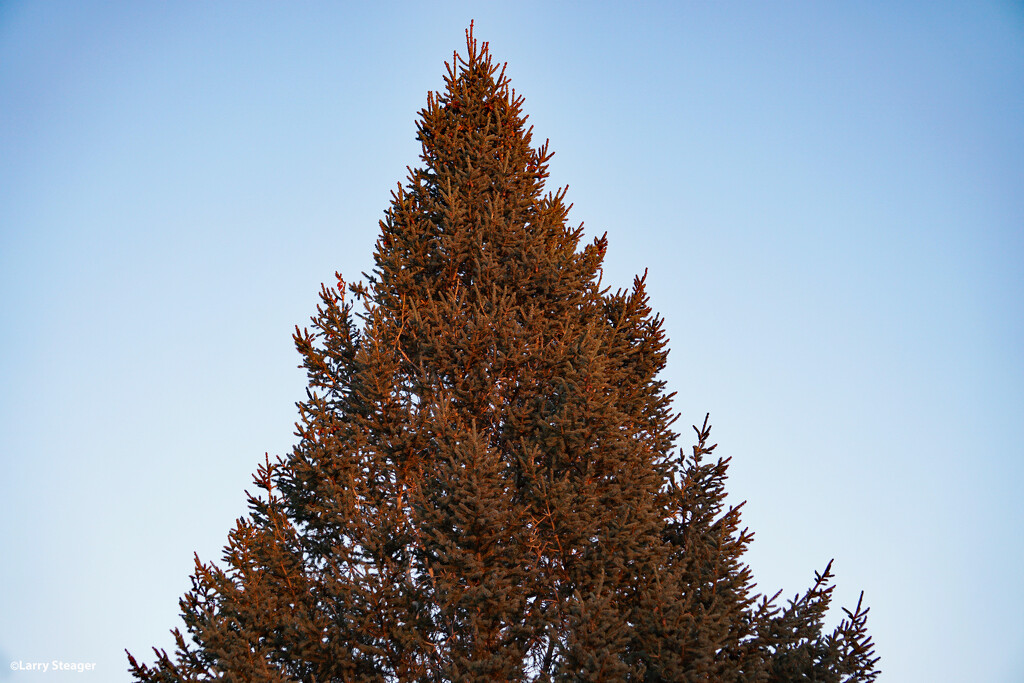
(485, 486)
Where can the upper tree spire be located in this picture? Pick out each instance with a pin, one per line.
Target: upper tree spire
(481, 189)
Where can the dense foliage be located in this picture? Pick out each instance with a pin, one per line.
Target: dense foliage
(485, 485)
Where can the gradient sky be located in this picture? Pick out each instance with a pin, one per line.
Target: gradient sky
(829, 198)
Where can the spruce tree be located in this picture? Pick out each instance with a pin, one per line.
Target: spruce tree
(485, 485)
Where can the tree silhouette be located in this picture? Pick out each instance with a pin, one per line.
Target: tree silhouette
(485, 485)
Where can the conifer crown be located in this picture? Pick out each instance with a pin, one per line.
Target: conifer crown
(485, 484)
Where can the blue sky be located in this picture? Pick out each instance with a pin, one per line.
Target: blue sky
(828, 198)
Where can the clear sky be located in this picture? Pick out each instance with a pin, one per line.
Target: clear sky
(829, 198)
